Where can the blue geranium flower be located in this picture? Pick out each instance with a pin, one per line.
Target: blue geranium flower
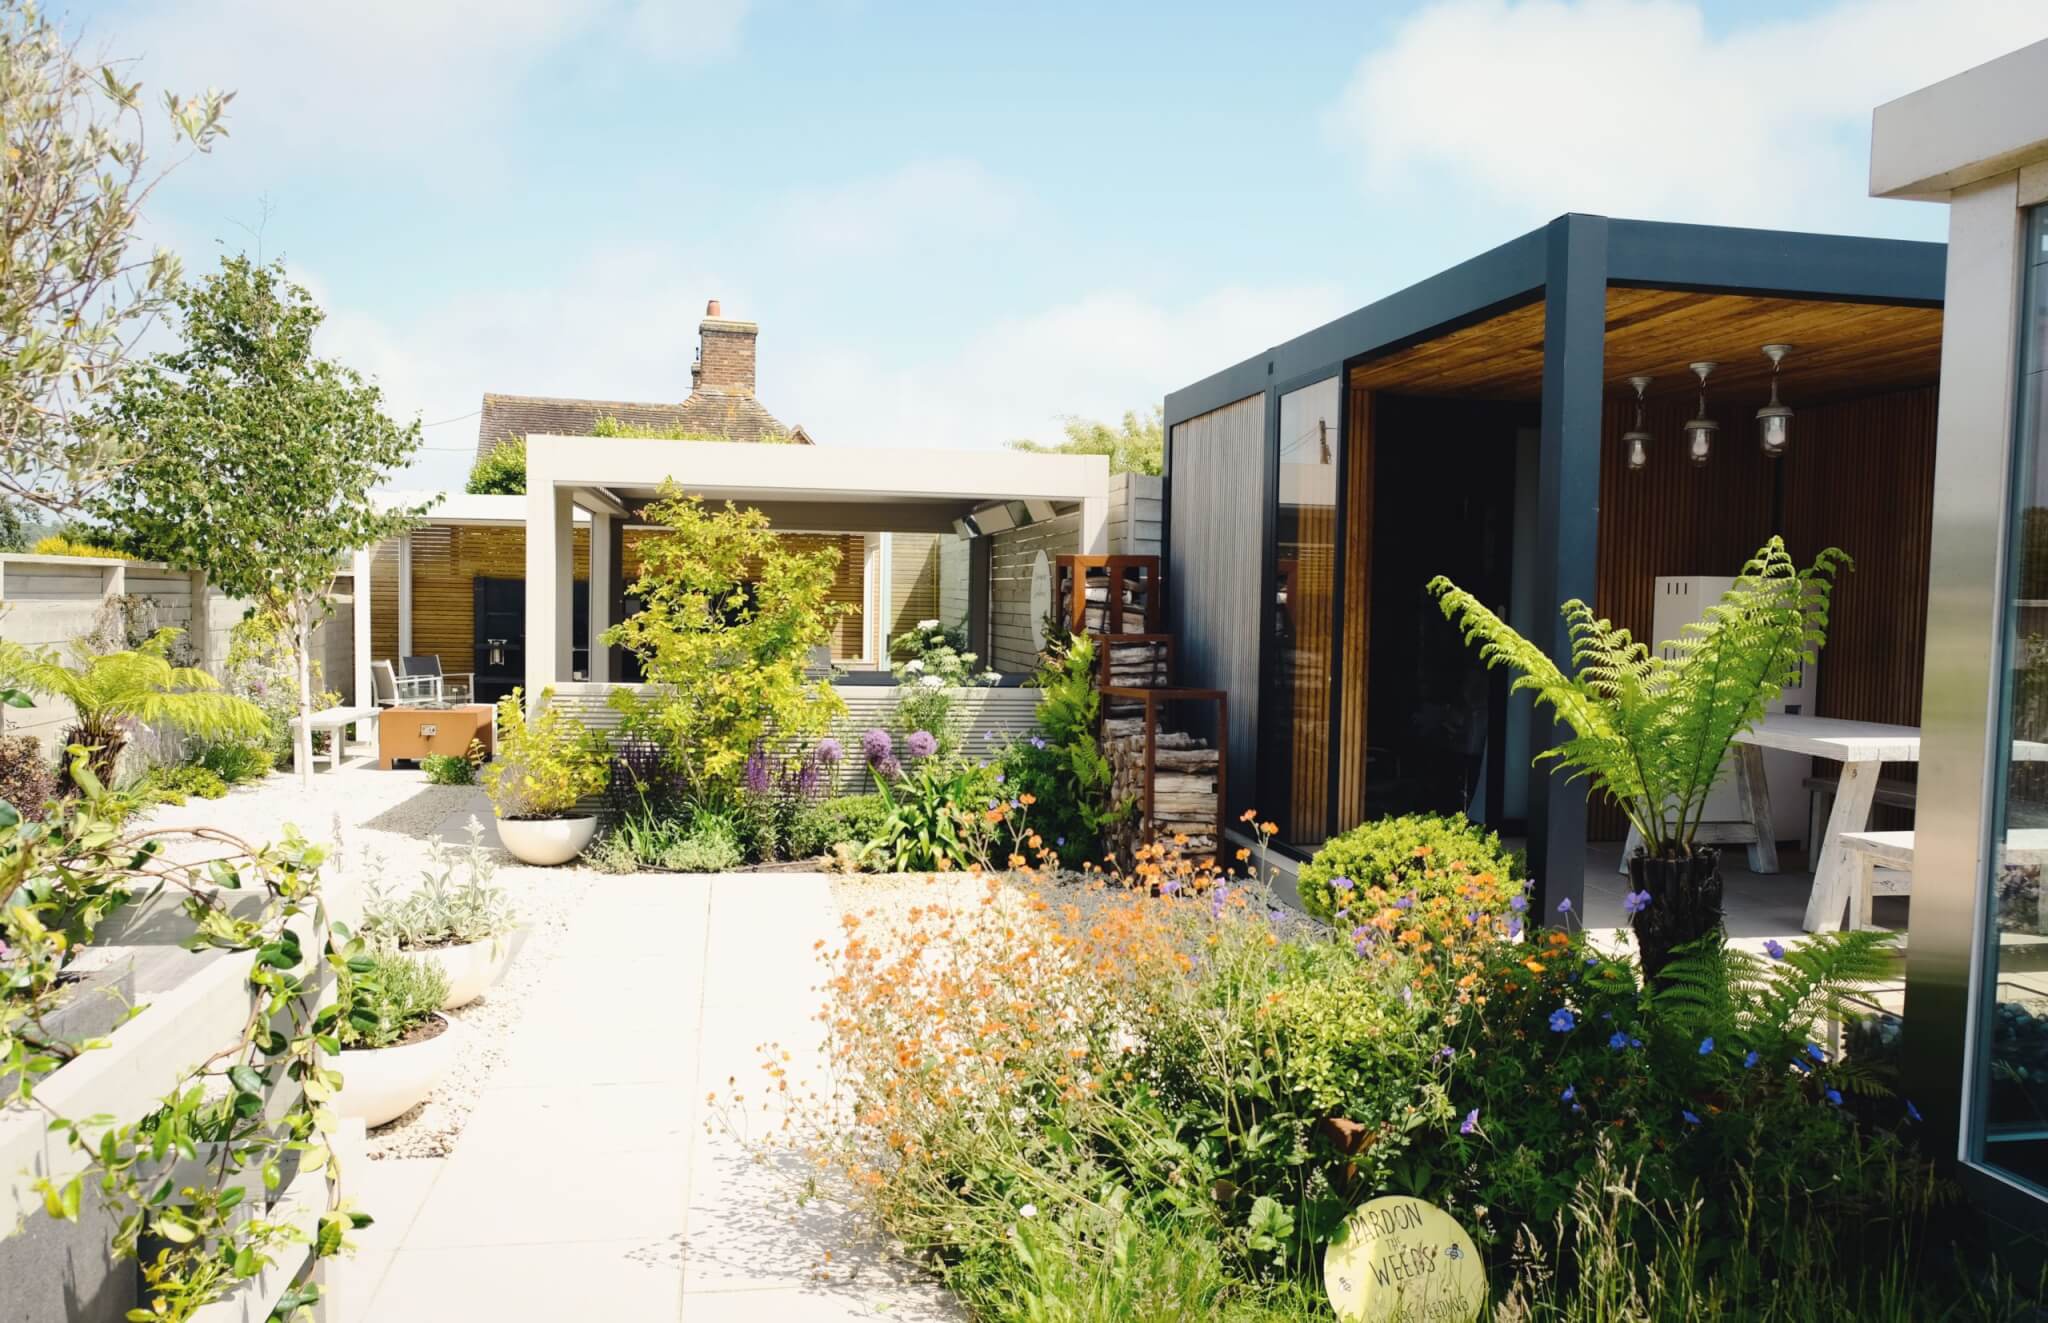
(1340, 884)
(1565, 906)
(1707, 1045)
(1775, 949)
(1618, 1040)
(1749, 1059)
(1406, 902)
(1635, 902)
(1470, 1123)
(1570, 1092)
(1518, 904)
(1834, 1096)
(1562, 1021)
(1912, 1112)
(1815, 1051)
(1690, 1119)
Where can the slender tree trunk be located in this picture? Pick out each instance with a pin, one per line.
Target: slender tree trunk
(302, 740)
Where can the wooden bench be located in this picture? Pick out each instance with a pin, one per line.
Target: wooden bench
(1821, 791)
(1877, 862)
(337, 720)
(1881, 863)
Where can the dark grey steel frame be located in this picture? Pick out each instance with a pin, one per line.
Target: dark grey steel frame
(1569, 263)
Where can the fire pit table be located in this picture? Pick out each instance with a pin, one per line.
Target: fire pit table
(411, 733)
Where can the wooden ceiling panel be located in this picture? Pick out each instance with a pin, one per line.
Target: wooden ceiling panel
(1838, 349)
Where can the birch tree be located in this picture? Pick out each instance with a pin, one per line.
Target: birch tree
(253, 459)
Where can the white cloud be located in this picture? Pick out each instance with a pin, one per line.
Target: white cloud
(908, 208)
(388, 78)
(621, 325)
(1634, 108)
(1094, 357)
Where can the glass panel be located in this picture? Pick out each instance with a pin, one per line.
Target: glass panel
(1295, 785)
(2010, 1127)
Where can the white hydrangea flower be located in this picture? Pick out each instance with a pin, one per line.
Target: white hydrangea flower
(932, 682)
(927, 624)
(914, 665)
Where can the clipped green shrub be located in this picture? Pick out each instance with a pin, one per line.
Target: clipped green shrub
(235, 762)
(448, 769)
(1414, 849)
(173, 785)
(849, 819)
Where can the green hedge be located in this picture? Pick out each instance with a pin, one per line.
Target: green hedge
(1383, 853)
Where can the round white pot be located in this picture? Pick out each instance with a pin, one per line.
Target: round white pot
(471, 968)
(546, 841)
(381, 1083)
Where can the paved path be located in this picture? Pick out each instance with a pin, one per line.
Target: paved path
(585, 1186)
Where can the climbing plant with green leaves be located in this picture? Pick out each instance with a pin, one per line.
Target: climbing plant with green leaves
(180, 1179)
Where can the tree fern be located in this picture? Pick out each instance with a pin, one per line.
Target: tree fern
(1651, 730)
(108, 689)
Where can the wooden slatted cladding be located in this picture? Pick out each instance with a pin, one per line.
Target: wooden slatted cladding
(448, 558)
(1357, 625)
(1859, 476)
(1840, 349)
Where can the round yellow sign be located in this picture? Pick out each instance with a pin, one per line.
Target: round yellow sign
(1399, 1258)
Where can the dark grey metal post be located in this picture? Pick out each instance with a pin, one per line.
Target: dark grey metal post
(1567, 521)
(980, 565)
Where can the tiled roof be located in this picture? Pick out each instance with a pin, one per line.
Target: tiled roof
(733, 417)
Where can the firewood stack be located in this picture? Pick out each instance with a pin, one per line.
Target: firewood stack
(1179, 791)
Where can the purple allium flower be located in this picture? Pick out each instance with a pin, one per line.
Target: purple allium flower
(1834, 1096)
(1775, 949)
(1690, 1119)
(889, 767)
(921, 744)
(1470, 1123)
(1912, 1112)
(876, 745)
(1518, 904)
(1707, 1046)
(1749, 1059)
(1562, 1021)
(1635, 902)
(828, 752)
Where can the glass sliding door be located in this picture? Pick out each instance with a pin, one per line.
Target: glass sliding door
(2007, 1126)
(1295, 712)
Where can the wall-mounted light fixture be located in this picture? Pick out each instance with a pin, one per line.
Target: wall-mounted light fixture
(1638, 441)
(1699, 433)
(1774, 420)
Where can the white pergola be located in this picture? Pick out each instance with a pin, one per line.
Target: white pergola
(800, 488)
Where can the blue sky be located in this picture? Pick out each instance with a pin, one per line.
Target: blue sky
(957, 222)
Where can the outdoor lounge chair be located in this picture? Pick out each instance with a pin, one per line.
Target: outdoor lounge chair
(447, 688)
(394, 690)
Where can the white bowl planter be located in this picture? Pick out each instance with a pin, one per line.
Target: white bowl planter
(379, 1084)
(471, 968)
(546, 841)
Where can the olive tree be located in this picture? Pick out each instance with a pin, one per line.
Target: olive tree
(74, 291)
(254, 459)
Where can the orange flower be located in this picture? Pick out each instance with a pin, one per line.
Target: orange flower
(1243, 855)
(1533, 966)
(1027, 799)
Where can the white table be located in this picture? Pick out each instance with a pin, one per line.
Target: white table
(337, 720)
(1862, 748)
(1881, 863)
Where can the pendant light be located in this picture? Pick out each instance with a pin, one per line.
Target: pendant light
(1638, 440)
(1699, 433)
(1774, 420)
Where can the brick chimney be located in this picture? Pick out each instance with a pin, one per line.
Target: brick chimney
(725, 355)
